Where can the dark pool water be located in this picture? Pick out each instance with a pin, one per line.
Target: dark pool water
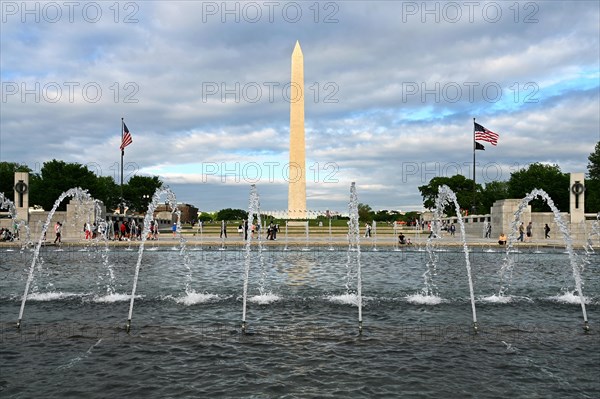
(304, 344)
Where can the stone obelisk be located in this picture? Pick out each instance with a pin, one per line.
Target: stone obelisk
(297, 167)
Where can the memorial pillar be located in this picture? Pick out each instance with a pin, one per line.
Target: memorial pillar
(577, 198)
(21, 188)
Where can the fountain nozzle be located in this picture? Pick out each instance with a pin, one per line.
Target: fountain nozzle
(586, 326)
(18, 324)
(475, 327)
(128, 327)
(244, 327)
(360, 327)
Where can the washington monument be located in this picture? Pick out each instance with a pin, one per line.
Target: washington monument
(297, 176)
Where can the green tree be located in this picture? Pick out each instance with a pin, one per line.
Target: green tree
(138, 192)
(594, 164)
(56, 177)
(462, 187)
(7, 177)
(592, 196)
(231, 214)
(107, 191)
(592, 185)
(385, 216)
(206, 217)
(365, 213)
(493, 191)
(412, 217)
(545, 177)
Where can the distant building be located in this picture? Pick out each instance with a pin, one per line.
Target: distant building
(189, 213)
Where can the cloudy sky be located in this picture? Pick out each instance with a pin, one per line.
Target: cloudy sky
(392, 88)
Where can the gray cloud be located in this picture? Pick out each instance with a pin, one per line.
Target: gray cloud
(389, 98)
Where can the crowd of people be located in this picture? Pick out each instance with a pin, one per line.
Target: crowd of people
(132, 230)
(525, 233)
(112, 231)
(6, 235)
(245, 227)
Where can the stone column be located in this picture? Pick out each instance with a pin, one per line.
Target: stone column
(577, 198)
(577, 206)
(21, 188)
(79, 213)
(503, 214)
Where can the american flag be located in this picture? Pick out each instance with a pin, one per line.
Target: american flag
(126, 138)
(482, 134)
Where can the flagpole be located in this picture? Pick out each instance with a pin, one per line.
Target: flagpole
(121, 205)
(474, 184)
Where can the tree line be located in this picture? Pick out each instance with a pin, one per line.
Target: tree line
(56, 177)
(521, 182)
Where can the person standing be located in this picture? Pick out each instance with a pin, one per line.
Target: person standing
(16, 231)
(174, 229)
(529, 231)
(88, 231)
(521, 232)
(150, 231)
(155, 231)
(122, 230)
(58, 231)
(546, 231)
(132, 230)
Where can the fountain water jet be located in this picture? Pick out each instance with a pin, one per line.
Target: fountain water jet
(5, 203)
(374, 236)
(588, 245)
(429, 293)
(200, 231)
(447, 196)
(354, 249)
(103, 236)
(252, 211)
(331, 248)
(306, 235)
(508, 265)
(589, 242)
(265, 296)
(223, 234)
(171, 199)
(77, 193)
(353, 295)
